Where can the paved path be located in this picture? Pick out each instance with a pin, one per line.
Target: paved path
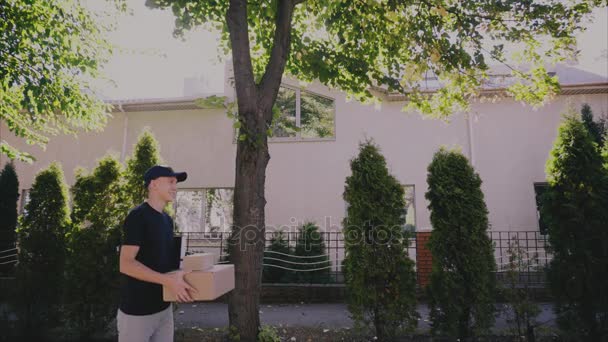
(215, 315)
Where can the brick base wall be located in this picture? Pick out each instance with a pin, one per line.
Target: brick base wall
(424, 259)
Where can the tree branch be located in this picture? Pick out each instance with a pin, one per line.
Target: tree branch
(246, 92)
(271, 81)
(454, 11)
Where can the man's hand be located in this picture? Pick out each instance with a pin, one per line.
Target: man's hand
(176, 284)
(174, 281)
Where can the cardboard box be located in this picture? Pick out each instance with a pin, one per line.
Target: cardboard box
(198, 262)
(210, 284)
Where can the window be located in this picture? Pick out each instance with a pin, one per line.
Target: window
(218, 214)
(539, 190)
(409, 211)
(316, 116)
(284, 114)
(189, 206)
(204, 210)
(301, 115)
(409, 197)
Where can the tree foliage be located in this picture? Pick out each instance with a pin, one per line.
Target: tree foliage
(356, 46)
(604, 152)
(9, 197)
(310, 248)
(522, 310)
(462, 284)
(49, 50)
(575, 206)
(380, 278)
(98, 210)
(273, 274)
(42, 252)
(597, 129)
(146, 154)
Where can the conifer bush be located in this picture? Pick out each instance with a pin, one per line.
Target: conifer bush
(380, 278)
(9, 197)
(310, 250)
(146, 154)
(272, 274)
(42, 253)
(92, 287)
(575, 207)
(462, 284)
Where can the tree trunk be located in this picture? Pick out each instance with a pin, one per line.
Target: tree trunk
(464, 326)
(255, 102)
(380, 324)
(530, 336)
(247, 242)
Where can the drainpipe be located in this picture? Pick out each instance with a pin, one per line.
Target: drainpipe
(124, 134)
(469, 118)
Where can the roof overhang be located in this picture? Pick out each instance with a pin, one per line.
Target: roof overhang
(189, 103)
(566, 89)
(155, 105)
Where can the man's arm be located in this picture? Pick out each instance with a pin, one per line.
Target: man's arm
(174, 281)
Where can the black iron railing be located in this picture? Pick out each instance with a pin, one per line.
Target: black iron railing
(530, 269)
(525, 254)
(8, 254)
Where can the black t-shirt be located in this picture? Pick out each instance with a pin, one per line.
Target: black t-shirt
(152, 231)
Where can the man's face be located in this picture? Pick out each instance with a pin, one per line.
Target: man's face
(165, 187)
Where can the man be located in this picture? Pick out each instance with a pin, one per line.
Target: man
(146, 256)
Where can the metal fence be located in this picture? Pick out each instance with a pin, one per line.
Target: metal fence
(525, 254)
(333, 241)
(8, 254)
(530, 268)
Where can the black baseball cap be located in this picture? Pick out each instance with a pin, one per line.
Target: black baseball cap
(162, 171)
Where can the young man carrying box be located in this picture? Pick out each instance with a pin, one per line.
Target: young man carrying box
(146, 257)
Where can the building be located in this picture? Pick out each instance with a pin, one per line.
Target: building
(507, 142)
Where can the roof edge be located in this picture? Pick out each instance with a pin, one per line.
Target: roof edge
(566, 89)
(157, 104)
(189, 103)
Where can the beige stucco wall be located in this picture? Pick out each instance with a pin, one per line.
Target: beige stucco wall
(511, 146)
(71, 151)
(188, 140)
(306, 180)
(197, 141)
(509, 143)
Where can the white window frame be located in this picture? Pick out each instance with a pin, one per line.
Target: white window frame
(298, 137)
(203, 220)
(205, 202)
(413, 203)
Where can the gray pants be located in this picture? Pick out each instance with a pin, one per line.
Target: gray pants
(157, 327)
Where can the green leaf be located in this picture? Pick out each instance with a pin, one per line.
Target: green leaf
(44, 43)
(211, 102)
